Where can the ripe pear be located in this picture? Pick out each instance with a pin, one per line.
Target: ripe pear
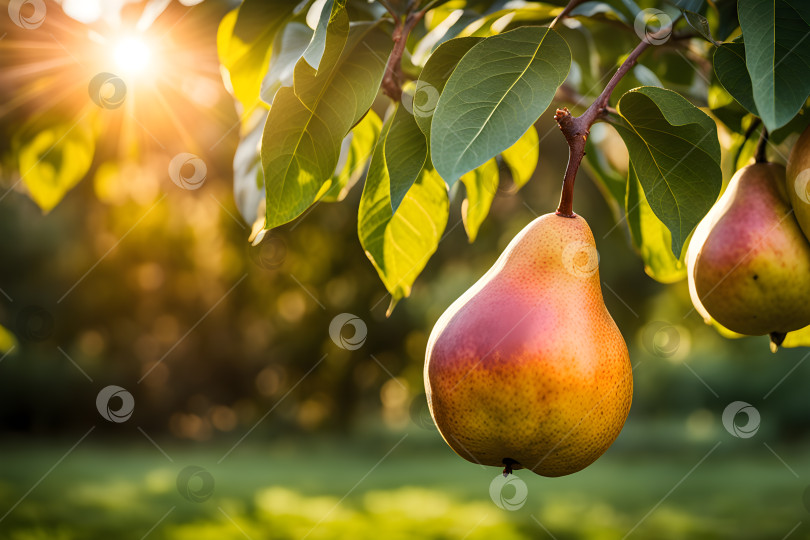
(798, 181)
(749, 263)
(527, 369)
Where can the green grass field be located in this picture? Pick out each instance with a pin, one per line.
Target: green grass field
(382, 488)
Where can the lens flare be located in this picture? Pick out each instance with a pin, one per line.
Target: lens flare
(132, 55)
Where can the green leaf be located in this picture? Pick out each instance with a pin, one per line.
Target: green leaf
(522, 157)
(688, 5)
(729, 65)
(307, 123)
(797, 125)
(352, 165)
(287, 51)
(405, 154)
(497, 91)
(54, 161)
(481, 185)
(258, 18)
(400, 243)
(650, 237)
(778, 57)
(434, 76)
(244, 40)
(802, 8)
(334, 20)
(674, 149)
(699, 23)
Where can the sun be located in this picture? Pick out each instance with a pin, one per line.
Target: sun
(132, 55)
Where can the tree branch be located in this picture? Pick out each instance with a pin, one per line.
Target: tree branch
(576, 129)
(389, 9)
(392, 80)
(566, 10)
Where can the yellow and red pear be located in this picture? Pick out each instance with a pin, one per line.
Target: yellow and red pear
(749, 263)
(527, 369)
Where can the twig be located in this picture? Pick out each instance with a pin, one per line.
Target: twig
(389, 9)
(762, 146)
(392, 81)
(564, 13)
(577, 128)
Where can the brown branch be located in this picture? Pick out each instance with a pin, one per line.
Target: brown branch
(577, 128)
(392, 80)
(566, 10)
(389, 9)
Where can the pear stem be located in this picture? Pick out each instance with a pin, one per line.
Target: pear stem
(576, 129)
(508, 463)
(762, 146)
(777, 338)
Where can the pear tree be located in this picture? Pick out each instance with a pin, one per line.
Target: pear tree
(417, 101)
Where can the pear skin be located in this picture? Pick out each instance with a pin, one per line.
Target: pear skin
(751, 268)
(527, 369)
(798, 181)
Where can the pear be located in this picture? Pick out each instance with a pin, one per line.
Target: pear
(749, 263)
(798, 181)
(527, 369)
